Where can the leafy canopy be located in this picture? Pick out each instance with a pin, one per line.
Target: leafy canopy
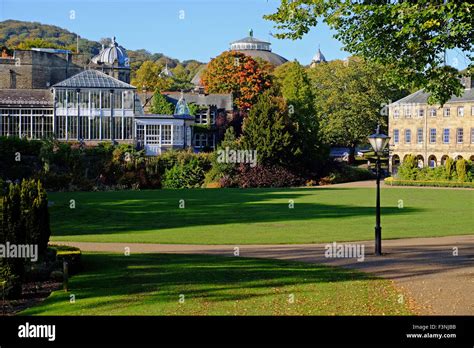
(236, 73)
(350, 99)
(409, 36)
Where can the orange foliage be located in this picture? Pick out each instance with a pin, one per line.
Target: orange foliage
(236, 73)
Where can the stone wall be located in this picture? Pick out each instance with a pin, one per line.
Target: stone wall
(34, 69)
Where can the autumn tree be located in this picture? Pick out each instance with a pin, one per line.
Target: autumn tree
(411, 37)
(236, 73)
(350, 99)
(147, 78)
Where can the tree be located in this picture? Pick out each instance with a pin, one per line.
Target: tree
(38, 43)
(160, 105)
(236, 73)
(146, 77)
(295, 87)
(409, 36)
(350, 99)
(268, 131)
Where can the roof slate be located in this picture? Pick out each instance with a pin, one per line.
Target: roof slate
(26, 97)
(421, 97)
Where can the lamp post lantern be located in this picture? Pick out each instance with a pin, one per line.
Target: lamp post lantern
(378, 141)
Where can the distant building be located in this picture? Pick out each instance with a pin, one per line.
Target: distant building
(37, 68)
(432, 133)
(113, 61)
(252, 47)
(318, 59)
(45, 93)
(159, 133)
(214, 110)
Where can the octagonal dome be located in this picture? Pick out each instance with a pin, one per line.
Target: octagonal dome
(110, 55)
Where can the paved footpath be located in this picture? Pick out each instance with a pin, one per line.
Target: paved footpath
(425, 269)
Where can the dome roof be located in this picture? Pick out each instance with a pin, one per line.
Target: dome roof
(256, 48)
(113, 53)
(269, 56)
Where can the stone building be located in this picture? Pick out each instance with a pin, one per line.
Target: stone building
(432, 133)
(37, 68)
(113, 61)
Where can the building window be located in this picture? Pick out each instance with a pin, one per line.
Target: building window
(433, 112)
(201, 117)
(472, 110)
(460, 135)
(433, 135)
(421, 113)
(446, 136)
(419, 135)
(472, 135)
(396, 136)
(200, 140)
(166, 134)
(407, 112)
(460, 111)
(407, 136)
(396, 113)
(447, 112)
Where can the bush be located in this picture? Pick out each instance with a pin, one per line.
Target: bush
(449, 167)
(408, 170)
(342, 172)
(187, 175)
(462, 169)
(397, 182)
(262, 176)
(25, 220)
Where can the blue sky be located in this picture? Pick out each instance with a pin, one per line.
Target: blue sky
(206, 30)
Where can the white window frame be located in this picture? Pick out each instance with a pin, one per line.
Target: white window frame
(444, 135)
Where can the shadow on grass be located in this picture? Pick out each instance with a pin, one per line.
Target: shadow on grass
(116, 280)
(122, 212)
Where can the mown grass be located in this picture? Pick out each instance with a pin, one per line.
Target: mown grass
(258, 216)
(154, 284)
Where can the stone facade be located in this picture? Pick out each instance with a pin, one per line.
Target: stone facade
(431, 132)
(32, 69)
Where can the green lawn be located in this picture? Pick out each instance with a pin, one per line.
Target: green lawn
(151, 284)
(235, 216)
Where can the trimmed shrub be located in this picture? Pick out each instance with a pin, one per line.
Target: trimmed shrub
(449, 168)
(462, 169)
(397, 182)
(262, 176)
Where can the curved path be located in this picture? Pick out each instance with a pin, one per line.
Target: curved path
(436, 273)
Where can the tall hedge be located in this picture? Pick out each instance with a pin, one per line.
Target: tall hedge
(25, 220)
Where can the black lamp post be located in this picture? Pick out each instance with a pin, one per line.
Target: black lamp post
(379, 142)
